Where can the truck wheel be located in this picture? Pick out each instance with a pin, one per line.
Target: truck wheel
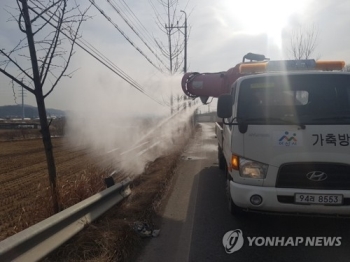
(234, 210)
(221, 158)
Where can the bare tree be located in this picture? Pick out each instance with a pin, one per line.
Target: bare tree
(347, 68)
(168, 23)
(40, 59)
(303, 42)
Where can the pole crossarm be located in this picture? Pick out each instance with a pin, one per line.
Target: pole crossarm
(170, 27)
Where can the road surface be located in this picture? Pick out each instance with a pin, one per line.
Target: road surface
(195, 219)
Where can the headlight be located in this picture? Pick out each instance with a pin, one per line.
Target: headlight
(252, 169)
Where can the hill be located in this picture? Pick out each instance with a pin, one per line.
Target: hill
(15, 111)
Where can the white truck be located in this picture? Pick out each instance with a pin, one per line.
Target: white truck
(285, 136)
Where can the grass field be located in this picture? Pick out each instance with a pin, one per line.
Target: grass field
(24, 186)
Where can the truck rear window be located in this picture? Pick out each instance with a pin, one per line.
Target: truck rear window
(310, 99)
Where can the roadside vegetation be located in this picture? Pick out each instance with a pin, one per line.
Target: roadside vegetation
(112, 237)
(25, 196)
(24, 188)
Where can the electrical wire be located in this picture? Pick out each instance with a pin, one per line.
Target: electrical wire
(114, 6)
(143, 28)
(107, 64)
(124, 35)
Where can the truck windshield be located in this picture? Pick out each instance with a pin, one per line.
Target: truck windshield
(300, 99)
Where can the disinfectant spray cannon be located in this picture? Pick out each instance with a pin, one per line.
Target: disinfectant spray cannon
(205, 85)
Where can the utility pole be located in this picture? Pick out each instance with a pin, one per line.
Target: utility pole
(169, 28)
(22, 92)
(22, 104)
(185, 58)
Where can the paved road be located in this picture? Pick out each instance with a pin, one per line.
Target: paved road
(195, 219)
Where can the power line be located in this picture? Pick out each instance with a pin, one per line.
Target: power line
(108, 61)
(124, 76)
(133, 29)
(123, 34)
(111, 65)
(156, 12)
(126, 10)
(185, 35)
(143, 28)
(173, 52)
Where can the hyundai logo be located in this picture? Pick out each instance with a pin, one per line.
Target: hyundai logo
(316, 176)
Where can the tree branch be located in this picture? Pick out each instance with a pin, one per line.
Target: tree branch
(20, 18)
(303, 42)
(45, 10)
(46, 22)
(54, 44)
(73, 39)
(17, 81)
(15, 63)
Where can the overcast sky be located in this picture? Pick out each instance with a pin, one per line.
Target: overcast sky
(221, 33)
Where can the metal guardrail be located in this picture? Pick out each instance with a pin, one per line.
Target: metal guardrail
(37, 241)
(206, 117)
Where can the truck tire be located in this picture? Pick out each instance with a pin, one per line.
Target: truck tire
(221, 158)
(234, 210)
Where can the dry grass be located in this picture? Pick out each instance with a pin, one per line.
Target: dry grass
(71, 191)
(25, 197)
(88, 183)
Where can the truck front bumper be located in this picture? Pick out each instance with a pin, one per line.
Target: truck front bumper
(282, 199)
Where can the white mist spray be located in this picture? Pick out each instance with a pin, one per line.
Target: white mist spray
(125, 124)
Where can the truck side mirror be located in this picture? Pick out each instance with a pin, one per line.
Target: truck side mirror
(224, 108)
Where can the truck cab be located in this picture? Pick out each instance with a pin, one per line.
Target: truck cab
(285, 137)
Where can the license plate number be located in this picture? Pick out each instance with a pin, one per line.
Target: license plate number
(319, 199)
